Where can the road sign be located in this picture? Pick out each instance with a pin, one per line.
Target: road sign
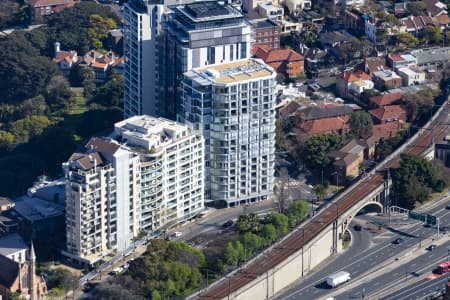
(416, 216)
(431, 220)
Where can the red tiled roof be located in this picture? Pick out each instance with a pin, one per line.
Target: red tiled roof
(268, 56)
(386, 99)
(389, 112)
(350, 76)
(324, 125)
(387, 130)
(65, 55)
(395, 57)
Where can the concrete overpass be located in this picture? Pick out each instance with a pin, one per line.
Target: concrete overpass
(318, 238)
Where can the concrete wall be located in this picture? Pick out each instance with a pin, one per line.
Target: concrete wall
(286, 273)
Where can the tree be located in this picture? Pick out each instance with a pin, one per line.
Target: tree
(317, 148)
(230, 255)
(408, 39)
(248, 223)
(320, 191)
(297, 212)
(361, 124)
(350, 50)
(419, 104)
(281, 189)
(415, 180)
(269, 234)
(432, 34)
(252, 243)
(58, 92)
(98, 29)
(416, 8)
(279, 221)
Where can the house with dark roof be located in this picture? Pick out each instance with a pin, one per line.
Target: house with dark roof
(285, 61)
(389, 113)
(435, 8)
(385, 99)
(417, 25)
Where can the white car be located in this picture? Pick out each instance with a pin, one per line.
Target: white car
(177, 234)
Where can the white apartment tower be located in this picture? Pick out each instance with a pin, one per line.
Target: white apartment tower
(233, 106)
(141, 32)
(150, 175)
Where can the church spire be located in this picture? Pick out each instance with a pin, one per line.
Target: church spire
(32, 273)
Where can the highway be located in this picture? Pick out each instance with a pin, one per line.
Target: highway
(415, 263)
(295, 241)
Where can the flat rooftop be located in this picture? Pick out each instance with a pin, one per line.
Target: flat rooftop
(35, 209)
(206, 9)
(241, 70)
(12, 243)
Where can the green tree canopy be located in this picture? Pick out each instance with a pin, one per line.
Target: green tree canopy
(248, 223)
(415, 180)
(408, 39)
(416, 8)
(317, 148)
(361, 124)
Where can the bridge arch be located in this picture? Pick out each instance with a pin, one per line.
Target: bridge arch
(370, 206)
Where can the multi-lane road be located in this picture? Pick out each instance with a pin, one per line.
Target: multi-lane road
(378, 266)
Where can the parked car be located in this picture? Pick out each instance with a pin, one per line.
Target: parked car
(174, 235)
(228, 223)
(431, 247)
(448, 206)
(357, 227)
(398, 241)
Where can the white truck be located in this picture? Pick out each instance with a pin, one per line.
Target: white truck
(338, 278)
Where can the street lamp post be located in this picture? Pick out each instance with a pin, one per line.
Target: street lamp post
(303, 247)
(387, 195)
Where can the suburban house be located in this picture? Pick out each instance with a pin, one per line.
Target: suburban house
(267, 33)
(65, 60)
(284, 61)
(297, 6)
(270, 10)
(347, 161)
(386, 130)
(289, 110)
(386, 80)
(373, 64)
(435, 8)
(385, 99)
(42, 8)
(322, 120)
(352, 83)
(100, 63)
(411, 76)
(401, 60)
(389, 113)
(334, 40)
(317, 61)
(417, 25)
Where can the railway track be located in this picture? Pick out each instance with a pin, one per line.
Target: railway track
(296, 241)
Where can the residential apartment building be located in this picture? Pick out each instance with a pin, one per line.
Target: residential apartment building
(42, 8)
(266, 32)
(196, 35)
(150, 175)
(141, 40)
(233, 105)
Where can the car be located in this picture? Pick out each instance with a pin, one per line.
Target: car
(357, 227)
(174, 235)
(426, 225)
(398, 241)
(228, 223)
(177, 234)
(448, 206)
(431, 247)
